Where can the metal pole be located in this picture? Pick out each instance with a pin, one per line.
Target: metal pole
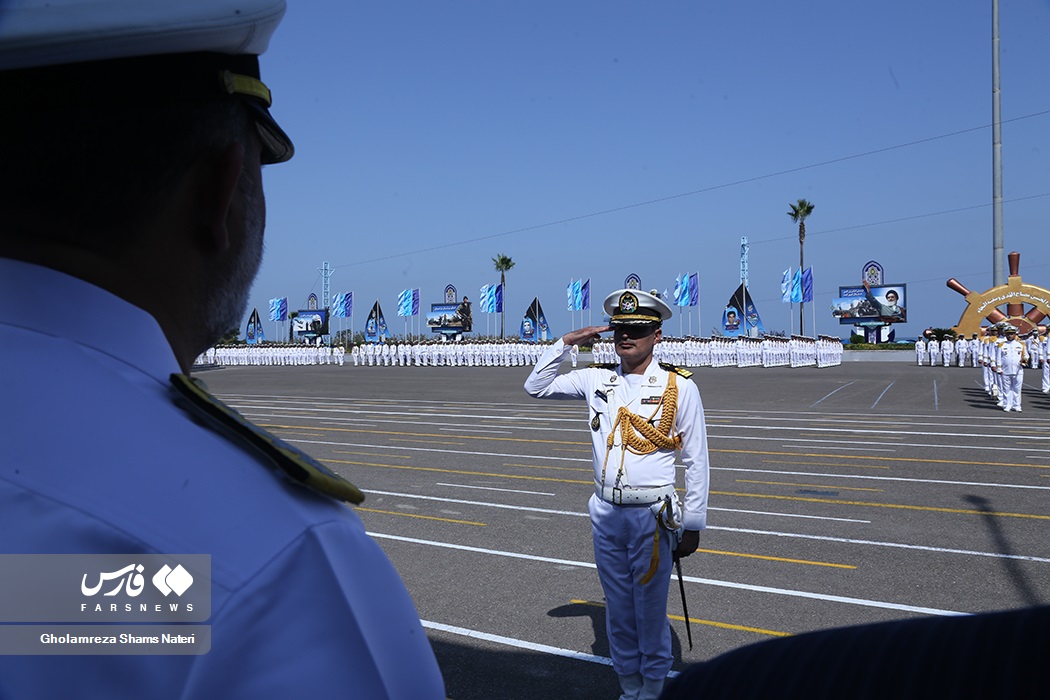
(998, 276)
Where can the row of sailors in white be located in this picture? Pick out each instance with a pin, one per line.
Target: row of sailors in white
(771, 351)
(961, 351)
(511, 353)
(272, 354)
(945, 352)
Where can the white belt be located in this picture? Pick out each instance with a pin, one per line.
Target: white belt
(635, 497)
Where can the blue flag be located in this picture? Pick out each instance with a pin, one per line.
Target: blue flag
(694, 289)
(404, 303)
(585, 295)
(415, 302)
(348, 304)
(577, 296)
(338, 305)
(497, 306)
(796, 287)
(807, 284)
(684, 291)
(785, 287)
(279, 309)
(570, 302)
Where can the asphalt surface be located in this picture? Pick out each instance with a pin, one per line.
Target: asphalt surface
(839, 496)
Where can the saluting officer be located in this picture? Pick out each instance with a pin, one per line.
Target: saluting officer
(640, 414)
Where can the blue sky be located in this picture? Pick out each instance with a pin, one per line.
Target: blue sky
(591, 139)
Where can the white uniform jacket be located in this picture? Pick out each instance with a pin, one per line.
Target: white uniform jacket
(605, 390)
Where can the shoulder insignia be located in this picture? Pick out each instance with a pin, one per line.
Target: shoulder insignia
(604, 365)
(297, 465)
(677, 370)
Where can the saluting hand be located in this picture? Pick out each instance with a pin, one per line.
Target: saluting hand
(584, 336)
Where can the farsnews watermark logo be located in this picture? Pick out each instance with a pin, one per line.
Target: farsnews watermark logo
(119, 586)
(130, 580)
(169, 580)
(131, 587)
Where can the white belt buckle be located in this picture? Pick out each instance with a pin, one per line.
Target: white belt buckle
(617, 495)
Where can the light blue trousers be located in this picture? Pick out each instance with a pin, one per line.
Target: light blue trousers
(635, 614)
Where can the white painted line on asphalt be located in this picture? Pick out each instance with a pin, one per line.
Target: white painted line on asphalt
(692, 579)
(936, 406)
(792, 535)
(483, 504)
(882, 394)
(832, 447)
(579, 514)
(522, 644)
(477, 430)
(993, 448)
(894, 545)
(885, 478)
(831, 394)
(493, 488)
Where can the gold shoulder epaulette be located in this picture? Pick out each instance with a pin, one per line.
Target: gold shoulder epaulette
(299, 466)
(677, 370)
(604, 365)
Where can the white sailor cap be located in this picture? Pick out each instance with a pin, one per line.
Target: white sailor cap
(633, 307)
(57, 54)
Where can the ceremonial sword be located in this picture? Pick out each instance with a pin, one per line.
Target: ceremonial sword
(685, 608)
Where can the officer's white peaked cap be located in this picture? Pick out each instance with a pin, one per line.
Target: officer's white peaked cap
(128, 49)
(633, 307)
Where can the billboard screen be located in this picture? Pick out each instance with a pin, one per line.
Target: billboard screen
(310, 323)
(449, 318)
(888, 303)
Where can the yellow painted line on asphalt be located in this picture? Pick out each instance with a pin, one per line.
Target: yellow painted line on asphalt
(423, 517)
(429, 442)
(885, 459)
(708, 623)
(549, 466)
(370, 431)
(373, 454)
(815, 486)
(780, 559)
(826, 464)
(589, 482)
(931, 509)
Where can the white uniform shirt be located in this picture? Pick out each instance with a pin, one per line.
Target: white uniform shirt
(640, 471)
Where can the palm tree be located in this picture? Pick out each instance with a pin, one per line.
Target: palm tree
(503, 263)
(798, 214)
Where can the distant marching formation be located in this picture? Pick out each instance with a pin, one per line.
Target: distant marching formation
(1000, 354)
(797, 351)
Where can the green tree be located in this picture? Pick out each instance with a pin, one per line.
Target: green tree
(799, 212)
(502, 263)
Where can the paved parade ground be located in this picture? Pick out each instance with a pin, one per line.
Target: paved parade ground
(852, 494)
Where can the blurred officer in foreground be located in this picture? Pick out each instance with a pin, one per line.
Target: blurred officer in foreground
(641, 413)
(133, 135)
(990, 655)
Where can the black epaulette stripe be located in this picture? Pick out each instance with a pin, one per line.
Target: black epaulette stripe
(299, 466)
(604, 365)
